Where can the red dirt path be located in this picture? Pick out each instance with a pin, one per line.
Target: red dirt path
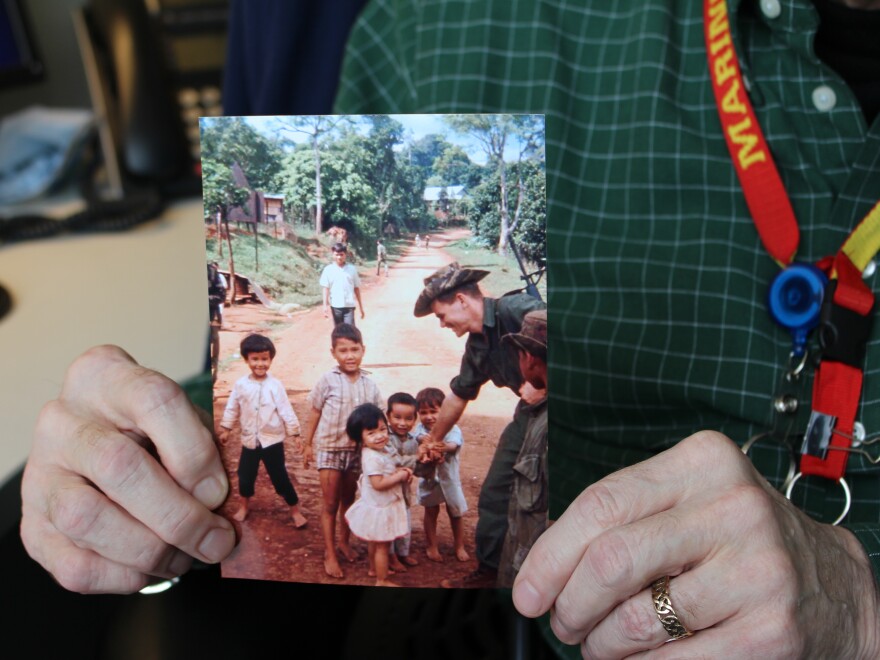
(403, 353)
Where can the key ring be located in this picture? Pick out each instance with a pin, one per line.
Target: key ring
(843, 485)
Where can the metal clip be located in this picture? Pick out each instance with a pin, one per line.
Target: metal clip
(859, 442)
(796, 365)
(818, 434)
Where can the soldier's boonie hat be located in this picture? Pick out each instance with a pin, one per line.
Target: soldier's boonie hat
(532, 336)
(445, 280)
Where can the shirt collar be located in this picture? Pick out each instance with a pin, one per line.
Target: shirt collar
(795, 27)
(488, 312)
(338, 370)
(795, 16)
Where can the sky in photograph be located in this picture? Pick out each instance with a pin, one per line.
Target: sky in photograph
(416, 127)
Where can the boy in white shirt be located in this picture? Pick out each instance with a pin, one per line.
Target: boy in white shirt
(342, 287)
(259, 404)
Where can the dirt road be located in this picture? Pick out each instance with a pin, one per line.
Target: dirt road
(403, 353)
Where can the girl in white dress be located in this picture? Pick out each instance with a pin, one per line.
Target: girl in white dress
(379, 514)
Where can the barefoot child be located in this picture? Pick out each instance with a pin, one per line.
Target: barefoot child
(337, 458)
(445, 487)
(379, 514)
(401, 420)
(259, 404)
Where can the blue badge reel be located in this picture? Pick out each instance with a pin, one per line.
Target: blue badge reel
(795, 302)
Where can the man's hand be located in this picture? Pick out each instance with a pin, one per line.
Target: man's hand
(308, 455)
(751, 575)
(530, 394)
(121, 480)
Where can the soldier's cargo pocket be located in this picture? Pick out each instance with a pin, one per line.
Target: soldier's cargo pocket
(529, 484)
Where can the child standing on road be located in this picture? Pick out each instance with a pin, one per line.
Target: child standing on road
(381, 257)
(259, 404)
(341, 287)
(337, 458)
(405, 447)
(379, 515)
(445, 486)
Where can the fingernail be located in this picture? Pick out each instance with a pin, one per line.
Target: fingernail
(211, 491)
(526, 598)
(217, 544)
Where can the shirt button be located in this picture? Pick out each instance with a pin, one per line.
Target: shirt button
(824, 98)
(771, 8)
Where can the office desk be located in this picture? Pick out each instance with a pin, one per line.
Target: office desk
(143, 289)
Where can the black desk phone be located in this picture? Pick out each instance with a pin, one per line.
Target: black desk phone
(154, 67)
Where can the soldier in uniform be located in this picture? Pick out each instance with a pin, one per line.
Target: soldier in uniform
(453, 295)
(530, 497)
(216, 299)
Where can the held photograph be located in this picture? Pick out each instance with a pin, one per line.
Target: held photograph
(377, 298)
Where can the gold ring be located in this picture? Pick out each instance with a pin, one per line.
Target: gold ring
(665, 612)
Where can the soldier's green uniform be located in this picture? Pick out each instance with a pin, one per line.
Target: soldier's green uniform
(487, 358)
(530, 496)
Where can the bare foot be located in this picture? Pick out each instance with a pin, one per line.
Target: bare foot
(241, 514)
(372, 573)
(332, 567)
(348, 552)
(409, 560)
(395, 564)
(433, 554)
(299, 520)
(386, 583)
(462, 555)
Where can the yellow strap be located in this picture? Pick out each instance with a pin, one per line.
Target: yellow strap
(864, 242)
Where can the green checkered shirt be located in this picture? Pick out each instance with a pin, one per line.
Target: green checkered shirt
(657, 279)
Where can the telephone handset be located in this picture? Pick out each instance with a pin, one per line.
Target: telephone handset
(154, 67)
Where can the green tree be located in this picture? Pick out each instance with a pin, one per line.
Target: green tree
(348, 198)
(493, 133)
(531, 210)
(383, 171)
(226, 141)
(424, 151)
(452, 167)
(316, 128)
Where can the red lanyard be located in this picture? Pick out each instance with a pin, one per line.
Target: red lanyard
(848, 301)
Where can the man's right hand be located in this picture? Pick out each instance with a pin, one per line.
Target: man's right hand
(121, 480)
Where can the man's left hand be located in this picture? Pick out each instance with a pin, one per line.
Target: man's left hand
(752, 576)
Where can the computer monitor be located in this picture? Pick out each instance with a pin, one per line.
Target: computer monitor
(19, 59)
